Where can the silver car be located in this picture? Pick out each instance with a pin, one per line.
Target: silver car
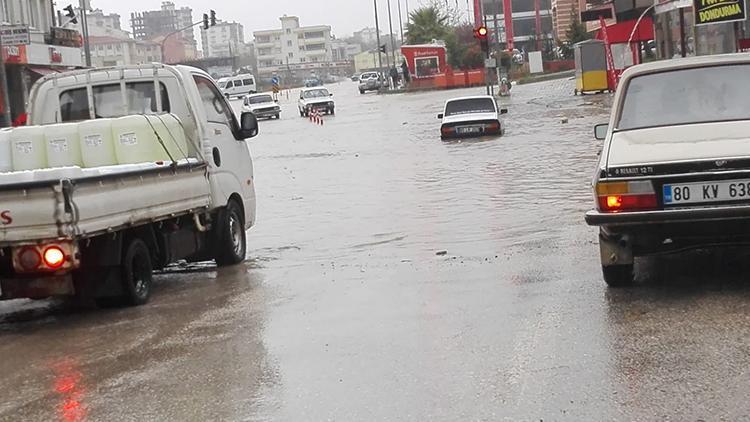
(370, 81)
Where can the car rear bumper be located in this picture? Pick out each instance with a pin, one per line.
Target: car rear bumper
(267, 113)
(596, 218)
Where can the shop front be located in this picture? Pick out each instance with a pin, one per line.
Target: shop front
(684, 28)
(25, 64)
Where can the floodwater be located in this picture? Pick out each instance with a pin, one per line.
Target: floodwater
(393, 276)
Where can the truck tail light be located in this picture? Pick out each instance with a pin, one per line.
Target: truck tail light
(626, 196)
(29, 259)
(46, 257)
(492, 127)
(54, 257)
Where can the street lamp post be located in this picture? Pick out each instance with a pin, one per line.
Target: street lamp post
(377, 36)
(390, 26)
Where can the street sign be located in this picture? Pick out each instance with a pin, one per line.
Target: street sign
(275, 80)
(15, 35)
(490, 63)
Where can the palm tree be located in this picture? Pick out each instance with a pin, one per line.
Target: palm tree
(426, 24)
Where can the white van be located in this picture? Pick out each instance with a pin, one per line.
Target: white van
(238, 86)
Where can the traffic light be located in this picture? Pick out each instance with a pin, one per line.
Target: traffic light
(382, 48)
(213, 18)
(71, 14)
(205, 21)
(481, 33)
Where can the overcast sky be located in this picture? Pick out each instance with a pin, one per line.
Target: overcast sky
(344, 16)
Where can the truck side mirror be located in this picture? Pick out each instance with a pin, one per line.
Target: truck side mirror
(248, 125)
(503, 111)
(600, 131)
(440, 116)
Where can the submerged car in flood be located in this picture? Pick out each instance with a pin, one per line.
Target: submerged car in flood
(471, 117)
(674, 171)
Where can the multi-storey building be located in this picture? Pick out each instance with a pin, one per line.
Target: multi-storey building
(150, 24)
(293, 47)
(110, 51)
(225, 39)
(533, 22)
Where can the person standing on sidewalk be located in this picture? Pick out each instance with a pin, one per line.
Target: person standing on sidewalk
(394, 77)
(405, 71)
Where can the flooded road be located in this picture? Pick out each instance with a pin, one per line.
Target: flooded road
(392, 276)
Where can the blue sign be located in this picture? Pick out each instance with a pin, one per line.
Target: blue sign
(275, 80)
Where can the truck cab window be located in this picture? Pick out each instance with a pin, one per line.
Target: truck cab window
(216, 108)
(74, 103)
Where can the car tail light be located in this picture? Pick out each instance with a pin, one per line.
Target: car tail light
(492, 127)
(447, 130)
(626, 196)
(54, 257)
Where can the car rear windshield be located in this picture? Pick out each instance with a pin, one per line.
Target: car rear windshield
(700, 95)
(315, 93)
(259, 100)
(369, 76)
(472, 105)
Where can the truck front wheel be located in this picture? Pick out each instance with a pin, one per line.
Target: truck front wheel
(230, 236)
(136, 273)
(618, 275)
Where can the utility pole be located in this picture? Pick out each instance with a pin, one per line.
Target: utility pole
(390, 26)
(85, 29)
(377, 35)
(538, 26)
(5, 122)
(400, 22)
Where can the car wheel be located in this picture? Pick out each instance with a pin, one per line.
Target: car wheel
(136, 273)
(301, 113)
(229, 236)
(278, 117)
(618, 275)
(361, 91)
(331, 111)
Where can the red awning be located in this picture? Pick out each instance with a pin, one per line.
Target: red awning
(40, 70)
(620, 32)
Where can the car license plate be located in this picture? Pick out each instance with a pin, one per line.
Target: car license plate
(696, 193)
(468, 129)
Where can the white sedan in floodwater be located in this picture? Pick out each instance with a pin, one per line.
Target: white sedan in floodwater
(471, 117)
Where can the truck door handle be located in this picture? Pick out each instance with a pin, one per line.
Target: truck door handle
(217, 157)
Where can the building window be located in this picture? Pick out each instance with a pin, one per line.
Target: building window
(118, 48)
(316, 34)
(289, 43)
(276, 38)
(288, 31)
(291, 55)
(302, 60)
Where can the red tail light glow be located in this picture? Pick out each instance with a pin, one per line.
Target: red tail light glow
(626, 196)
(447, 130)
(54, 257)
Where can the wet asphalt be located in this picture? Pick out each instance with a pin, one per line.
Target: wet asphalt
(395, 277)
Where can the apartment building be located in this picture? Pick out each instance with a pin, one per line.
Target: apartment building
(100, 24)
(111, 51)
(150, 24)
(527, 15)
(226, 39)
(293, 47)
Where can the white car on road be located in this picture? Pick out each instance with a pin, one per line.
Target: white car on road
(470, 117)
(261, 105)
(315, 98)
(674, 172)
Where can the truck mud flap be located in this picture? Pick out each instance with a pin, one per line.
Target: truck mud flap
(37, 288)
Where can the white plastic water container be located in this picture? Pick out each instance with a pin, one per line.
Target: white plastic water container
(6, 161)
(135, 141)
(170, 130)
(28, 148)
(63, 145)
(97, 145)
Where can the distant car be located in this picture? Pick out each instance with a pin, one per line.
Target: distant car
(370, 81)
(313, 82)
(317, 98)
(355, 77)
(471, 117)
(674, 169)
(238, 86)
(261, 105)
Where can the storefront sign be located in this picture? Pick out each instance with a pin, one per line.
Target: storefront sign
(664, 6)
(14, 54)
(718, 11)
(15, 35)
(64, 37)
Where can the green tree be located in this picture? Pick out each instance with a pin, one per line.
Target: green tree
(427, 24)
(575, 33)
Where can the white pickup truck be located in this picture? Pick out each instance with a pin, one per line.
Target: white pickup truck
(100, 234)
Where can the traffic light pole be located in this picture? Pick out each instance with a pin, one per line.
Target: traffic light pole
(377, 35)
(85, 29)
(5, 122)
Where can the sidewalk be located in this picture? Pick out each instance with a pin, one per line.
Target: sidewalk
(546, 77)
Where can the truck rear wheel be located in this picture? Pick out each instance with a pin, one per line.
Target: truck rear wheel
(136, 273)
(618, 275)
(230, 236)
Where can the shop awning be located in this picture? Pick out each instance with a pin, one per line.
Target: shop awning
(620, 32)
(43, 71)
